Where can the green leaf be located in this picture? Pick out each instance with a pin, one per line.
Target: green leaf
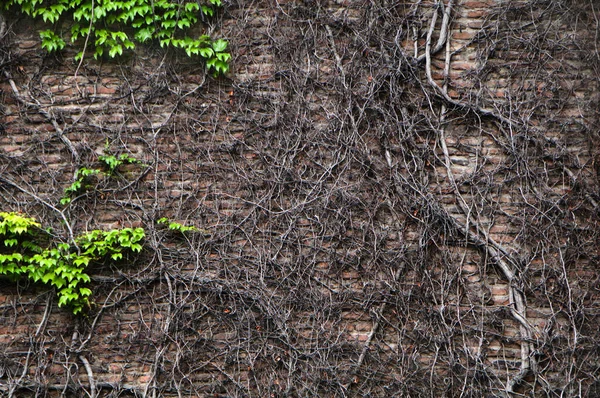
(82, 260)
(59, 282)
(223, 57)
(145, 34)
(219, 45)
(206, 52)
(206, 10)
(168, 23)
(51, 42)
(62, 301)
(99, 12)
(221, 67)
(115, 50)
(75, 31)
(10, 242)
(191, 7)
(119, 35)
(128, 44)
(183, 23)
(101, 36)
(49, 277)
(116, 256)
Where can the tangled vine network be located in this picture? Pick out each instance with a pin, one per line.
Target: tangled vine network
(383, 199)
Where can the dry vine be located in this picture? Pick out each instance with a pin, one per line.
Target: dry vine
(376, 219)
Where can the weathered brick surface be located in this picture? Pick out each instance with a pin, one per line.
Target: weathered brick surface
(311, 258)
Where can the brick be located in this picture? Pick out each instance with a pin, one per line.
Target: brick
(474, 13)
(466, 35)
(100, 89)
(470, 4)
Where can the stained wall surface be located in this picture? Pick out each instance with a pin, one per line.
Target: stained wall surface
(393, 199)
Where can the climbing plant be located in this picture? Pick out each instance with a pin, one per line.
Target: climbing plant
(84, 175)
(81, 183)
(29, 251)
(175, 226)
(25, 253)
(110, 27)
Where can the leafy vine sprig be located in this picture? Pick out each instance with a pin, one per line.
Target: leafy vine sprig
(23, 253)
(112, 27)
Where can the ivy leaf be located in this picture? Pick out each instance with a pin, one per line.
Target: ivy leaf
(119, 35)
(168, 24)
(82, 260)
(75, 31)
(101, 36)
(191, 7)
(219, 45)
(48, 277)
(10, 242)
(51, 42)
(59, 282)
(145, 34)
(62, 301)
(114, 50)
(128, 44)
(116, 256)
(221, 67)
(99, 12)
(206, 52)
(183, 23)
(206, 10)
(224, 57)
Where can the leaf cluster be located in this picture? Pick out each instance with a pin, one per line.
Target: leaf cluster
(113, 162)
(175, 226)
(104, 25)
(81, 183)
(83, 175)
(61, 266)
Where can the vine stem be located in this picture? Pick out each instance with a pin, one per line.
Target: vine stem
(3, 28)
(517, 302)
(45, 203)
(87, 38)
(59, 131)
(38, 331)
(90, 374)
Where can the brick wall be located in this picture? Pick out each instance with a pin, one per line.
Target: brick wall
(361, 222)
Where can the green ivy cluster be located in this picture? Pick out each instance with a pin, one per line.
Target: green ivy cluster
(61, 266)
(175, 226)
(81, 183)
(27, 251)
(83, 175)
(103, 26)
(113, 162)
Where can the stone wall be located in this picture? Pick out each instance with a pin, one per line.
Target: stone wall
(382, 212)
